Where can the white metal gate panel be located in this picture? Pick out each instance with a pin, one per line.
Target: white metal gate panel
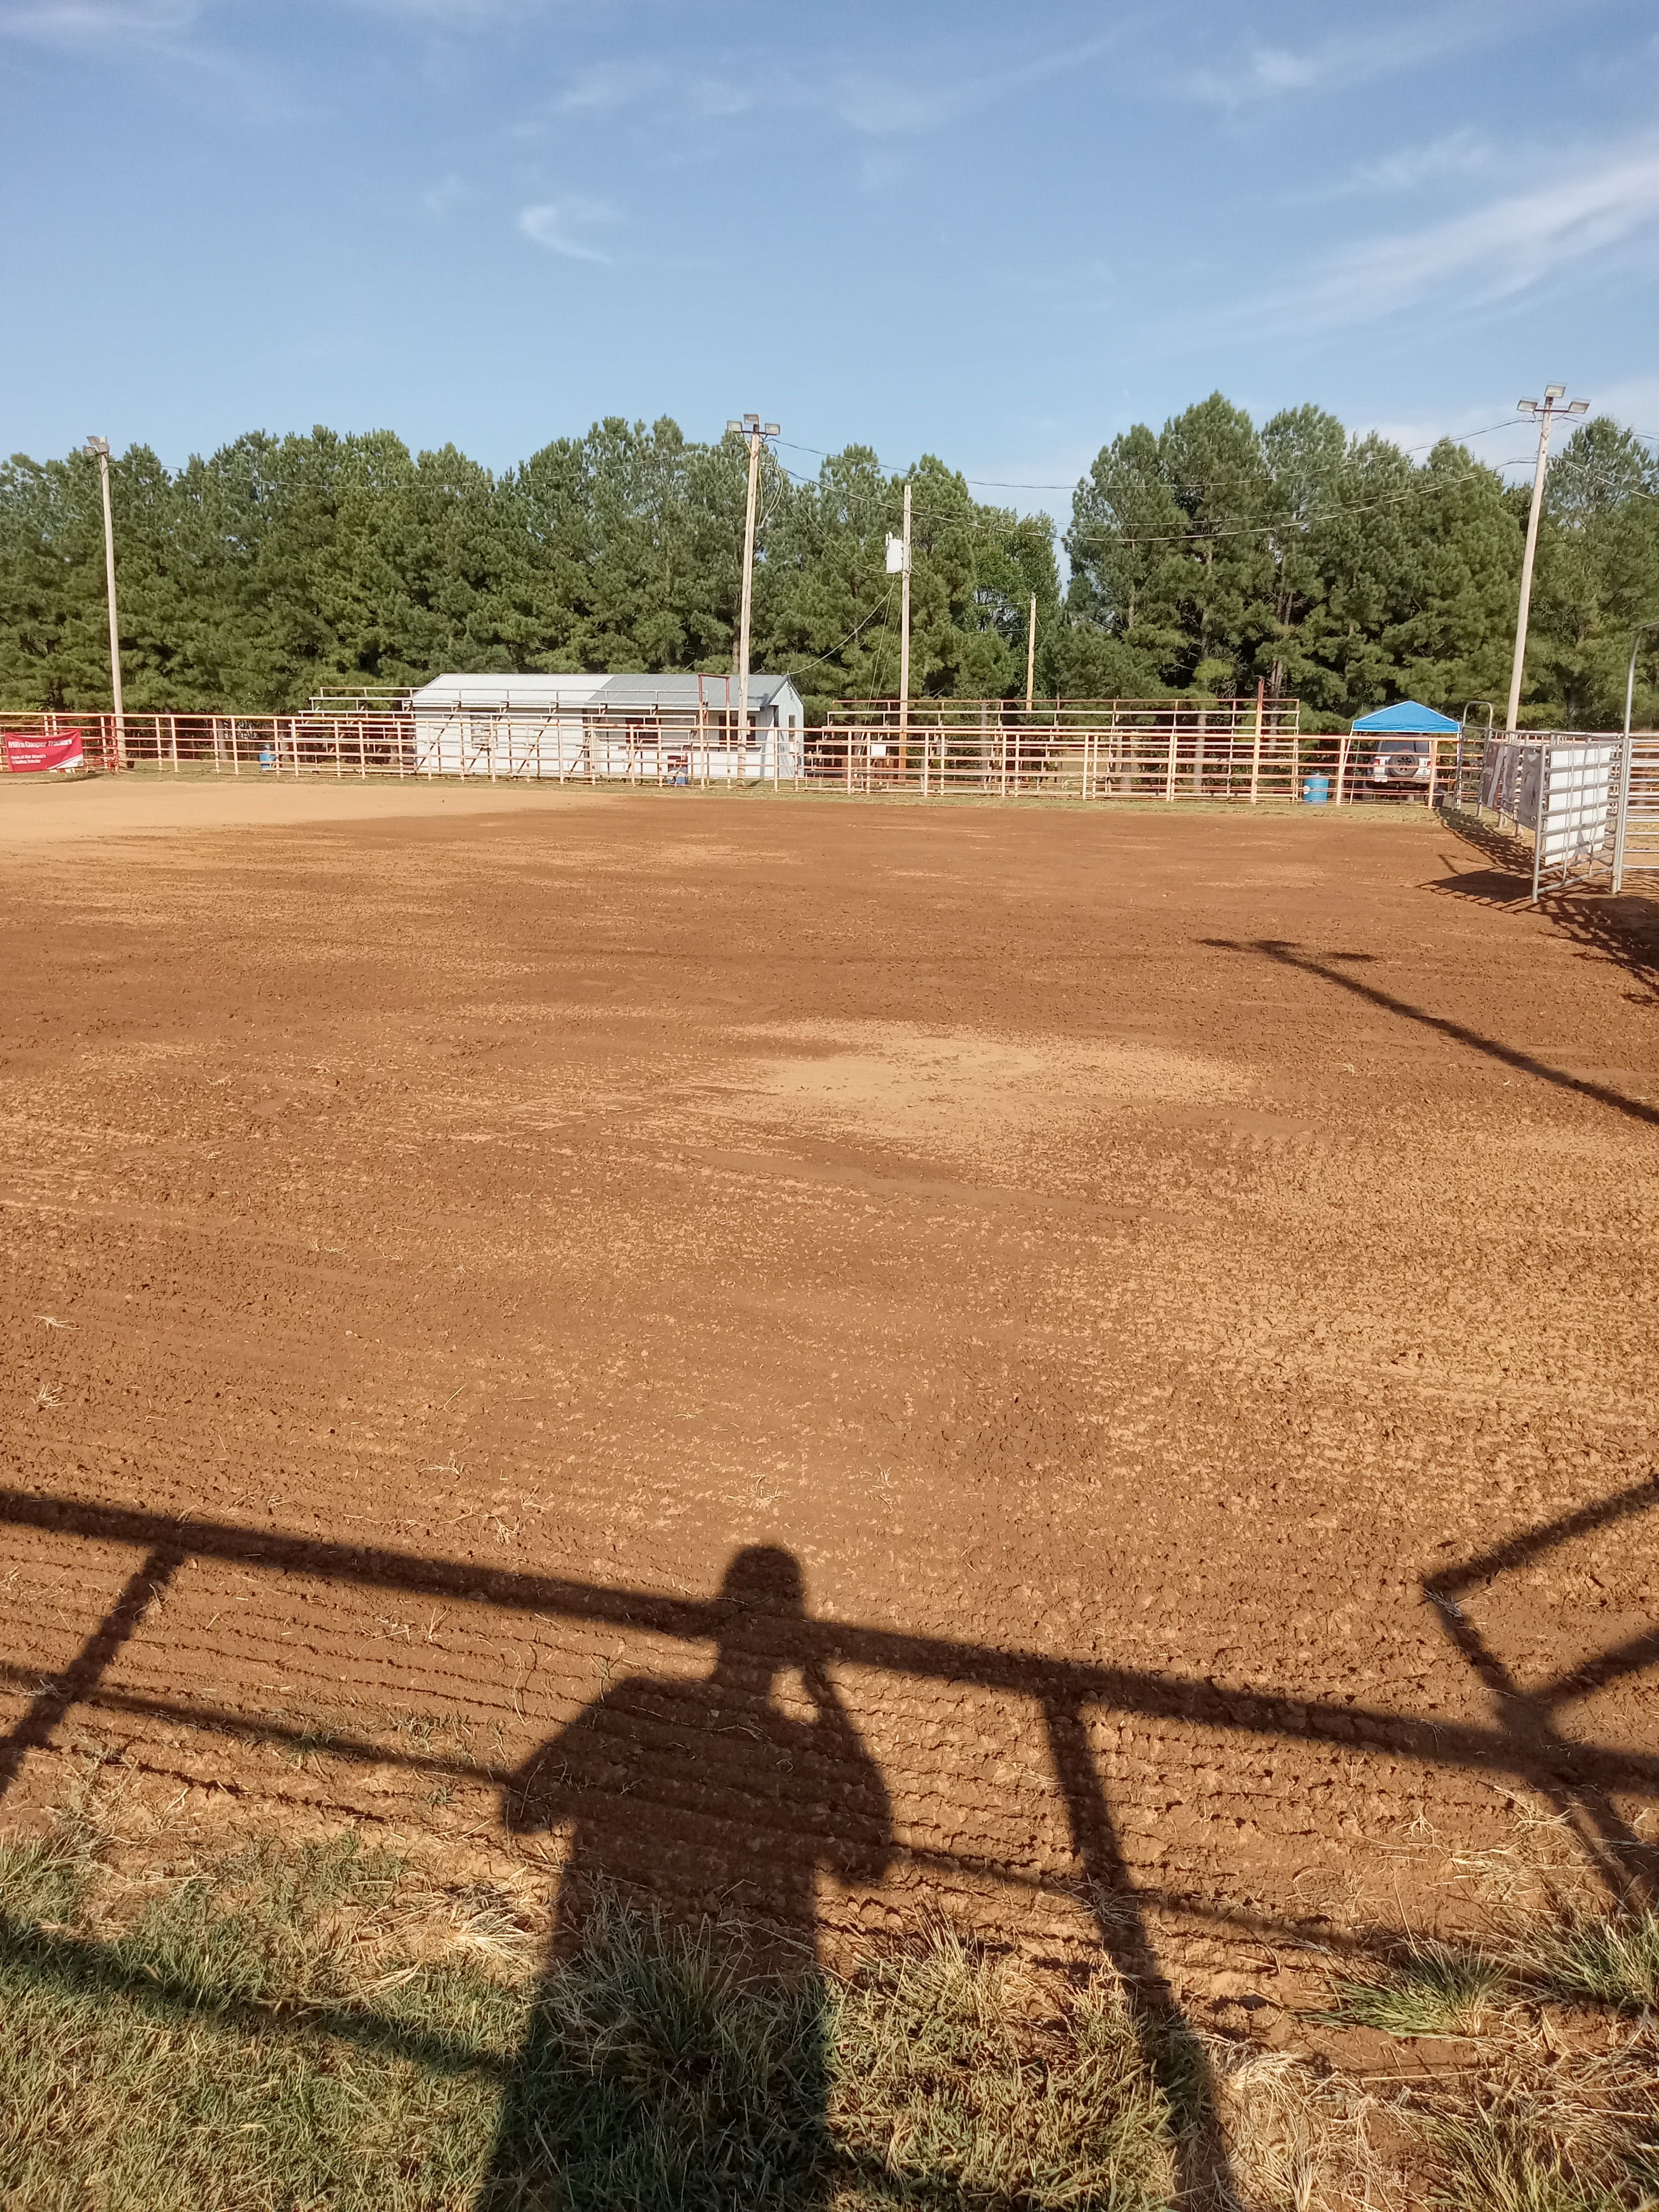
(1565, 786)
(1576, 818)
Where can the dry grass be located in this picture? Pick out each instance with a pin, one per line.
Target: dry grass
(1300, 2139)
(319, 2025)
(314, 2026)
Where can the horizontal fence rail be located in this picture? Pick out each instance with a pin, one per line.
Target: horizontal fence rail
(1241, 750)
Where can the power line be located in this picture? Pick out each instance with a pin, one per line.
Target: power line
(1004, 483)
(847, 640)
(978, 526)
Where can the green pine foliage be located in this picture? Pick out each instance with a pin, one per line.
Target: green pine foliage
(1205, 557)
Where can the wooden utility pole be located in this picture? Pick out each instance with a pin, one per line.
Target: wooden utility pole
(99, 448)
(1031, 656)
(756, 433)
(1544, 416)
(904, 648)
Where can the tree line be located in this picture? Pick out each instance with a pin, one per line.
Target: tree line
(1201, 558)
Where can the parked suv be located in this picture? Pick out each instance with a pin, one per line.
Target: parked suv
(1396, 765)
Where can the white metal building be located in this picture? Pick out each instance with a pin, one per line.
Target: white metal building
(651, 729)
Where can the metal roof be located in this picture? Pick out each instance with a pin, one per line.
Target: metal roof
(540, 692)
(1411, 718)
(718, 693)
(627, 693)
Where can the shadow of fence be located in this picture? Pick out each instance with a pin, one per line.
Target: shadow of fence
(1523, 1743)
(1620, 928)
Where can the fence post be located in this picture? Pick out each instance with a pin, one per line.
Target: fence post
(1255, 747)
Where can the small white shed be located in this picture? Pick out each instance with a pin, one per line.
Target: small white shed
(653, 729)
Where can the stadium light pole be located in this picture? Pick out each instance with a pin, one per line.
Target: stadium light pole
(1545, 413)
(756, 433)
(99, 449)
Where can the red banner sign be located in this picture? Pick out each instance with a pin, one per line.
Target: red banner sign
(24, 754)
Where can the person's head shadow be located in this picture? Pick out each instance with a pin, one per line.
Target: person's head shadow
(699, 1812)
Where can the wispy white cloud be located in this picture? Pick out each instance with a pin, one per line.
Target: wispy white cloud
(1507, 247)
(455, 15)
(711, 96)
(1265, 72)
(1463, 153)
(639, 89)
(566, 225)
(448, 191)
(87, 22)
(889, 106)
(608, 86)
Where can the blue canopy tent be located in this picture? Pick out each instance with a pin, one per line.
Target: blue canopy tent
(1409, 719)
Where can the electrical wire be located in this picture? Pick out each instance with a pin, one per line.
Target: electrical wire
(977, 526)
(818, 657)
(1003, 483)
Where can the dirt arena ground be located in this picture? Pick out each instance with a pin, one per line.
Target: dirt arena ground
(1091, 1372)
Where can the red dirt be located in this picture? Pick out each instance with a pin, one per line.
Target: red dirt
(1150, 1243)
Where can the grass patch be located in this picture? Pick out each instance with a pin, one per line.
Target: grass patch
(226, 2046)
(948, 2091)
(1430, 1989)
(311, 2027)
(1559, 2110)
(1610, 1959)
(1529, 2157)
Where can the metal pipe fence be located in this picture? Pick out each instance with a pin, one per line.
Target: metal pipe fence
(1079, 749)
(1241, 750)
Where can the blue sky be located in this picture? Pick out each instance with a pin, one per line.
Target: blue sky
(1000, 234)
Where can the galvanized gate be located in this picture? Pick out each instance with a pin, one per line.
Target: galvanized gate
(1568, 787)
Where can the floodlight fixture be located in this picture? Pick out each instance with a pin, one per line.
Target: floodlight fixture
(1522, 407)
(768, 430)
(751, 422)
(1578, 407)
(97, 447)
(1555, 392)
(734, 426)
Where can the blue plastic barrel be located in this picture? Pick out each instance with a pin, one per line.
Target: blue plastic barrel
(1316, 791)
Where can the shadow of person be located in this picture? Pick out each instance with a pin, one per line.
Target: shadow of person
(700, 1815)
